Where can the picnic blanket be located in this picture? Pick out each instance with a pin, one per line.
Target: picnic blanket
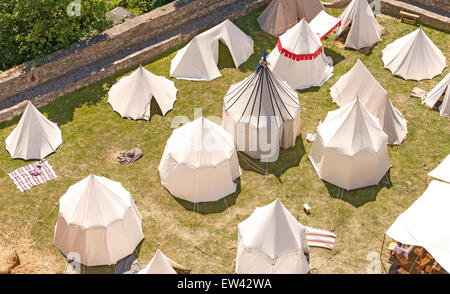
(320, 238)
(32, 175)
(129, 156)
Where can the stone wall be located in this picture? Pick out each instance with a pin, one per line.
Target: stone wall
(443, 5)
(133, 31)
(132, 60)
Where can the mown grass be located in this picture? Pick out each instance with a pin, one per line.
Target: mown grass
(205, 239)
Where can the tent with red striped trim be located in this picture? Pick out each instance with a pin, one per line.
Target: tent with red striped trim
(299, 59)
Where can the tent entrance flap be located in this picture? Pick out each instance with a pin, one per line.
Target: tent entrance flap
(222, 54)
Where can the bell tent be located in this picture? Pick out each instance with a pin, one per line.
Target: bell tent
(272, 241)
(200, 162)
(262, 113)
(35, 136)
(359, 82)
(198, 60)
(131, 96)
(299, 59)
(159, 264)
(439, 97)
(414, 57)
(350, 149)
(98, 221)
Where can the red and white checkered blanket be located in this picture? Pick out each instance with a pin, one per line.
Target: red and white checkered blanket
(320, 238)
(24, 179)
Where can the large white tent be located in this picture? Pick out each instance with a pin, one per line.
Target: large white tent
(198, 60)
(350, 149)
(35, 136)
(281, 15)
(98, 221)
(159, 264)
(200, 162)
(359, 82)
(272, 241)
(299, 59)
(131, 96)
(441, 90)
(263, 114)
(425, 223)
(365, 30)
(414, 57)
(441, 172)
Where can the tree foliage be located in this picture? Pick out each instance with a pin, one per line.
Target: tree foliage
(34, 28)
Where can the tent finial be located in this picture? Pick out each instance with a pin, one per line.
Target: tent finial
(263, 61)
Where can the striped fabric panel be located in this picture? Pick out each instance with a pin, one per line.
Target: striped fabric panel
(320, 238)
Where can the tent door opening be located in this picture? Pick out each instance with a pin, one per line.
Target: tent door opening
(222, 54)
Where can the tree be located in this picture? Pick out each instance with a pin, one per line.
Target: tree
(31, 29)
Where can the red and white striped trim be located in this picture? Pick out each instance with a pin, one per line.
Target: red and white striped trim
(320, 238)
(298, 57)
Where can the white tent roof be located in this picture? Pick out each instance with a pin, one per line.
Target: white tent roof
(158, 265)
(299, 58)
(425, 223)
(359, 82)
(442, 88)
(270, 232)
(442, 171)
(350, 150)
(200, 162)
(198, 60)
(99, 221)
(352, 130)
(365, 30)
(281, 15)
(131, 96)
(35, 136)
(414, 57)
(323, 24)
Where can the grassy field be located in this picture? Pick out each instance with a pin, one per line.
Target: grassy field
(206, 241)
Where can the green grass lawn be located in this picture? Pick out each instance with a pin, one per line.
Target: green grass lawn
(206, 241)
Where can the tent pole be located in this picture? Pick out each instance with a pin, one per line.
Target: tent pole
(381, 252)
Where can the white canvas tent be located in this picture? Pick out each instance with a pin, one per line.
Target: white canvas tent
(272, 241)
(131, 96)
(200, 162)
(299, 59)
(262, 111)
(159, 264)
(198, 60)
(441, 172)
(323, 24)
(441, 90)
(35, 136)
(281, 15)
(414, 57)
(359, 82)
(350, 149)
(98, 222)
(425, 223)
(365, 30)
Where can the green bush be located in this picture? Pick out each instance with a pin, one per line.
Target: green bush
(138, 6)
(31, 29)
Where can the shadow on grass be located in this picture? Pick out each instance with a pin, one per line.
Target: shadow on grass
(359, 197)
(337, 57)
(287, 159)
(211, 207)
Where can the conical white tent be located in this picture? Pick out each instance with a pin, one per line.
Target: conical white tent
(425, 223)
(35, 136)
(441, 172)
(299, 59)
(200, 162)
(272, 241)
(350, 149)
(98, 221)
(433, 97)
(198, 60)
(131, 96)
(365, 30)
(414, 57)
(359, 82)
(158, 265)
(281, 15)
(263, 114)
